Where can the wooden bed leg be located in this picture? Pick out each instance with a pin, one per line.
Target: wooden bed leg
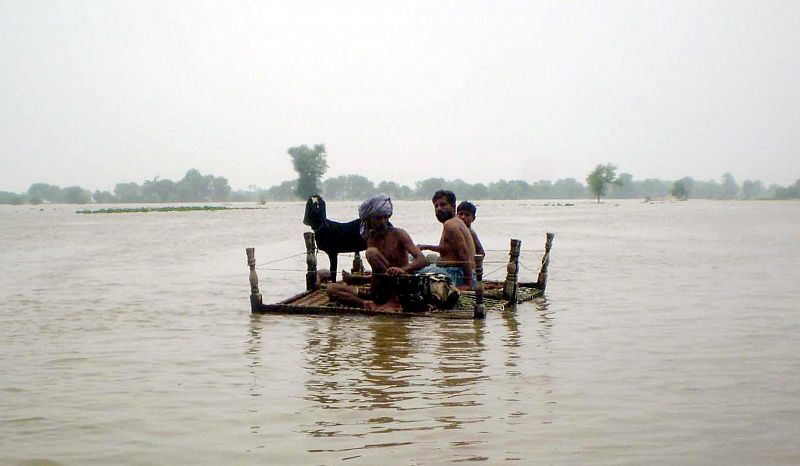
(480, 308)
(358, 266)
(311, 261)
(512, 272)
(255, 295)
(541, 281)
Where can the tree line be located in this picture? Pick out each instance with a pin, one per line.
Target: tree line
(357, 187)
(310, 163)
(194, 187)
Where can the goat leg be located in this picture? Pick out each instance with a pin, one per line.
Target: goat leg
(333, 258)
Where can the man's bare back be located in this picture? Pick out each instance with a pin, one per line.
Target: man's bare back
(456, 245)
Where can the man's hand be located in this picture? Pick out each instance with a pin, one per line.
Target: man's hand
(395, 271)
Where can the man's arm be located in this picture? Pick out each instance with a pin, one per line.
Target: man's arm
(419, 261)
(429, 247)
(460, 249)
(478, 246)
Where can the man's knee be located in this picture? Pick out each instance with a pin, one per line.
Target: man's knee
(338, 290)
(376, 260)
(371, 253)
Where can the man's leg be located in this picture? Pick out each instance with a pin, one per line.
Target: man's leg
(345, 294)
(376, 260)
(383, 286)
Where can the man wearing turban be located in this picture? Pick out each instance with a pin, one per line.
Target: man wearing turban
(388, 248)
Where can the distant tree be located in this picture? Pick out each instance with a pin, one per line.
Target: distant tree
(359, 187)
(76, 195)
(393, 190)
(601, 178)
(568, 188)
(480, 191)
(45, 192)
(195, 187)
(751, 189)
(128, 192)
(310, 164)
(221, 189)
(334, 188)
(462, 189)
(10, 198)
(157, 190)
(653, 187)
(424, 189)
(519, 189)
(705, 189)
(789, 192)
(679, 191)
(348, 187)
(541, 189)
(626, 189)
(104, 197)
(500, 190)
(728, 189)
(688, 183)
(285, 191)
(771, 191)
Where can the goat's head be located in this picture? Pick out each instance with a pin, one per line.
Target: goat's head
(315, 212)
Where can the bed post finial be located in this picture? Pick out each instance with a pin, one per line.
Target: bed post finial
(480, 308)
(255, 295)
(512, 272)
(541, 281)
(358, 265)
(311, 261)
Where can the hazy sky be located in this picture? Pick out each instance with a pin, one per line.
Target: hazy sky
(98, 92)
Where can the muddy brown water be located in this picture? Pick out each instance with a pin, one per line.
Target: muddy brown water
(670, 334)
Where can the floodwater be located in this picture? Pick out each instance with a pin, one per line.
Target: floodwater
(670, 334)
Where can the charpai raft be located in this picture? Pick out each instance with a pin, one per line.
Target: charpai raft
(488, 295)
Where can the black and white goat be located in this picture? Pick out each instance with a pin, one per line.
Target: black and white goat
(332, 237)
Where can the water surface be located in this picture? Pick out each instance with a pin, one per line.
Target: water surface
(669, 334)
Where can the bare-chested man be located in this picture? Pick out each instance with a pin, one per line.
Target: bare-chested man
(387, 252)
(456, 247)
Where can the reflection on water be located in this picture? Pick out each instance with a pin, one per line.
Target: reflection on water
(403, 373)
(460, 361)
(253, 354)
(388, 382)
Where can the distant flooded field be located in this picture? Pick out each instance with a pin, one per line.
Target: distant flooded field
(669, 334)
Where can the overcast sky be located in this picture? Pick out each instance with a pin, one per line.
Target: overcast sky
(98, 92)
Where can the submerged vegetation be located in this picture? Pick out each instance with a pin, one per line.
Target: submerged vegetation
(157, 209)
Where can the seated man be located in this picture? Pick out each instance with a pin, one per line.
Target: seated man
(456, 247)
(466, 212)
(387, 252)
